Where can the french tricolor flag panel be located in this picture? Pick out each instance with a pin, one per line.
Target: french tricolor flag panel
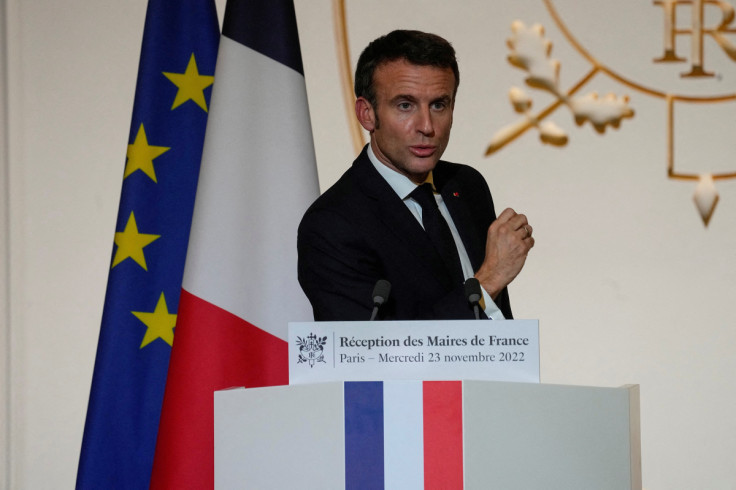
(406, 435)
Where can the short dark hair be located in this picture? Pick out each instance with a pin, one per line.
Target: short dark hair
(416, 47)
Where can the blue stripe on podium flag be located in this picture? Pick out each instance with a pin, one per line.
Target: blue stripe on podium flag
(175, 75)
(364, 434)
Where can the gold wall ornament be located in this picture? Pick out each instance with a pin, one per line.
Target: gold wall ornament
(697, 31)
(706, 197)
(342, 44)
(531, 51)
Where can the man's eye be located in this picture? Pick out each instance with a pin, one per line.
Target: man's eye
(404, 106)
(438, 106)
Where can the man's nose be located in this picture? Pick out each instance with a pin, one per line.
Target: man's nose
(425, 124)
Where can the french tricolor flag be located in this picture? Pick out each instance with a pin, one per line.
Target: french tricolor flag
(403, 434)
(240, 287)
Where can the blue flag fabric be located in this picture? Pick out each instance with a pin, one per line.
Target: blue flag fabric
(175, 76)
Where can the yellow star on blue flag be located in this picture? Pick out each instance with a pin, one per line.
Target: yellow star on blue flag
(191, 85)
(159, 323)
(130, 243)
(141, 155)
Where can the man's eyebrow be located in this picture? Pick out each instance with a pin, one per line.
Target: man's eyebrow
(443, 98)
(399, 97)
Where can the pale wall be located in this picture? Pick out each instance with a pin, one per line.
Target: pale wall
(628, 284)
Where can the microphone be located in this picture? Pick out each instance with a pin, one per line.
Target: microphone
(473, 293)
(380, 295)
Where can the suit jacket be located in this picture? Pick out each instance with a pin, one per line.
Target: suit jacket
(360, 231)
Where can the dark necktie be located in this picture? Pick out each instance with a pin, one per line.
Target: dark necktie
(438, 230)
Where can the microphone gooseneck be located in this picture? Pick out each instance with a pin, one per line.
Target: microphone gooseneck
(473, 293)
(380, 295)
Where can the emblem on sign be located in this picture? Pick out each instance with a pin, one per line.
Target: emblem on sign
(311, 349)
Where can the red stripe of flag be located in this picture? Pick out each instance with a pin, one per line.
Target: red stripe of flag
(214, 350)
(443, 435)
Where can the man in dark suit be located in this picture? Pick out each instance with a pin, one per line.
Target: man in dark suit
(374, 223)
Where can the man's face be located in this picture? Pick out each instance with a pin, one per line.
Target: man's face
(410, 125)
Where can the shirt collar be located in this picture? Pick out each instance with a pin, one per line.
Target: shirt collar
(401, 184)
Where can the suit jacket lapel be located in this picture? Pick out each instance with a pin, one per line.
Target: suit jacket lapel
(397, 220)
(461, 211)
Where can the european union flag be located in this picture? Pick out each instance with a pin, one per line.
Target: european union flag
(175, 75)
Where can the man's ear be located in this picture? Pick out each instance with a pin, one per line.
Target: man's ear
(365, 114)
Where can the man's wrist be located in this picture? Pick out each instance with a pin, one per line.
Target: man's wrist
(489, 283)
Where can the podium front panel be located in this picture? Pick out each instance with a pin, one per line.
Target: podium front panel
(432, 434)
(550, 437)
(280, 437)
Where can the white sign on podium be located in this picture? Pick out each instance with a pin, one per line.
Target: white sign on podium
(505, 350)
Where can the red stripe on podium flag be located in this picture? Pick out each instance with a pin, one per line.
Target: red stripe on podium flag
(443, 435)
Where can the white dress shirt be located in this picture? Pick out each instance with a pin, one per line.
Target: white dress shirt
(403, 186)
